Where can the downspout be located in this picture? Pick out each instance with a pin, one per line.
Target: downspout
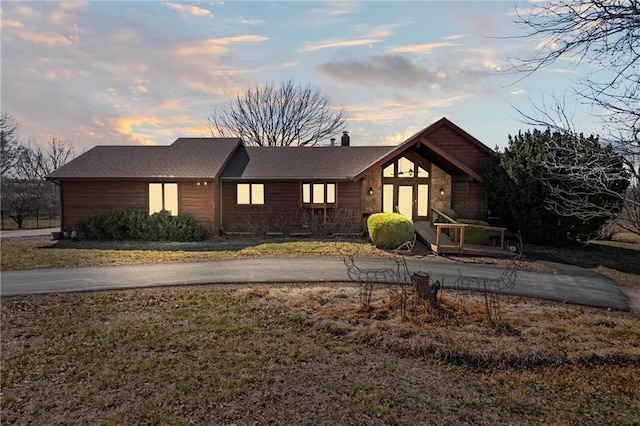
(219, 206)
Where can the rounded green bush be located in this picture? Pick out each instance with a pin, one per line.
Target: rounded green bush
(475, 235)
(451, 213)
(389, 230)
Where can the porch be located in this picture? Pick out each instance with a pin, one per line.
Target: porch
(440, 243)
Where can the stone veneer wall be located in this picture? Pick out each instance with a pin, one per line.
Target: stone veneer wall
(440, 179)
(372, 203)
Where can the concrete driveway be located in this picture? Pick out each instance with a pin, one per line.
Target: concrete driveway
(574, 285)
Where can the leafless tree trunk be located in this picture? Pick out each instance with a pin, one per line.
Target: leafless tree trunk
(9, 144)
(24, 189)
(286, 115)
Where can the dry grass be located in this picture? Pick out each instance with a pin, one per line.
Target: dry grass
(300, 354)
(42, 252)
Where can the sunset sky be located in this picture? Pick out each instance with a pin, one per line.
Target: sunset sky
(148, 72)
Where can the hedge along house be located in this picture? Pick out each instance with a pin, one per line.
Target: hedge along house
(229, 187)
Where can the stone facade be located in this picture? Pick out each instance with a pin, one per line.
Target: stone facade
(372, 203)
(440, 180)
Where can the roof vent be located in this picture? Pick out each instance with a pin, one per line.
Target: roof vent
(333, 142)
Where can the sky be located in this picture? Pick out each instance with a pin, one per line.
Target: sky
(148, 72)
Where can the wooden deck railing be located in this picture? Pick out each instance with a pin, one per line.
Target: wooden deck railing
(459, 230)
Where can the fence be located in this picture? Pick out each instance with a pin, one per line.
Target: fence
(31, 222)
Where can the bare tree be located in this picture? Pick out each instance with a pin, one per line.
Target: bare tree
(9, 144)
(283, 115)
(25, 192)
(606, 35)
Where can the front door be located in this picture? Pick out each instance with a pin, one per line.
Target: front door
(405, 188)
(406, 201)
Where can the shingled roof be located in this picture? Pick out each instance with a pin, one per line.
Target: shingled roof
(186, 158)
(272, 163)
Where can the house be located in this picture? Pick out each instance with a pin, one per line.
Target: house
(229, 187)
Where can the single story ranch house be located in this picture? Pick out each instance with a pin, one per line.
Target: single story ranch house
(228, 187)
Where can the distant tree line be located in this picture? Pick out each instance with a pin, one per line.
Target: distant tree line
(25, 192)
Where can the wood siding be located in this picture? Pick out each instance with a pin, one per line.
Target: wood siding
(469, 199)
(198, 201)
(283, 211)
(460, 148)
(82, 199)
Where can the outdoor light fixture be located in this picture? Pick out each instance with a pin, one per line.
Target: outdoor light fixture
(441, 191)
(370, 191)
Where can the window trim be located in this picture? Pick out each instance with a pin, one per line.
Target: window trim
(252, 187)
(164, 197)
(311, 192)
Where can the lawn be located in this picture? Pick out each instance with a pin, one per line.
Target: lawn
(32, 223)
(309, 354)
(42, 252)
(304, 354)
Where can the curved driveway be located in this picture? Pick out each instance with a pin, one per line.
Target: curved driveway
(572, 285)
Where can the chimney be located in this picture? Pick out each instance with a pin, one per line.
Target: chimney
(333, 142)
(345, 138)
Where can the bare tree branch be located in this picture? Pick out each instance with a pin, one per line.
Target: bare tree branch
(605, 34)
(286, 115)
(9, 144)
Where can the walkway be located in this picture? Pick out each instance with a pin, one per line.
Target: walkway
(27, 232)
(577, 286)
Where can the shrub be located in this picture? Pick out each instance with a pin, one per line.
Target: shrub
(389, 230)
(128, 224)
(451, 213)
(475, 235)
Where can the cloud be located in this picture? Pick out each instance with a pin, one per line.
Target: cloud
(335, 8)
(43, 39)
(216, 46)
(189, 10)
(456, 36)
(312, 47)
(367, 35)
(388, 70)
(245, 21)
(421, 48)
(399, 72)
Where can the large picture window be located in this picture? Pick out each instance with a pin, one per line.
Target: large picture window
(250, 193)
(318, 193)
(163, 196)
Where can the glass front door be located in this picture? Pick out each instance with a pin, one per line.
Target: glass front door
(405, 188)
(405, 200)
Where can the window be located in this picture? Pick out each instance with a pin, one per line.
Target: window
(389, 171)
(250, 193)
(405, 168)
(318, 193)
(163, 196)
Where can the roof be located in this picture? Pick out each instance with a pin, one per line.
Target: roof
(337, 163)
(187, 158)
(228, 158)
(445, 159)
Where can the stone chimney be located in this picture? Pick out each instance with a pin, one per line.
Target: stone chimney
(333, 142)
(345, 140)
